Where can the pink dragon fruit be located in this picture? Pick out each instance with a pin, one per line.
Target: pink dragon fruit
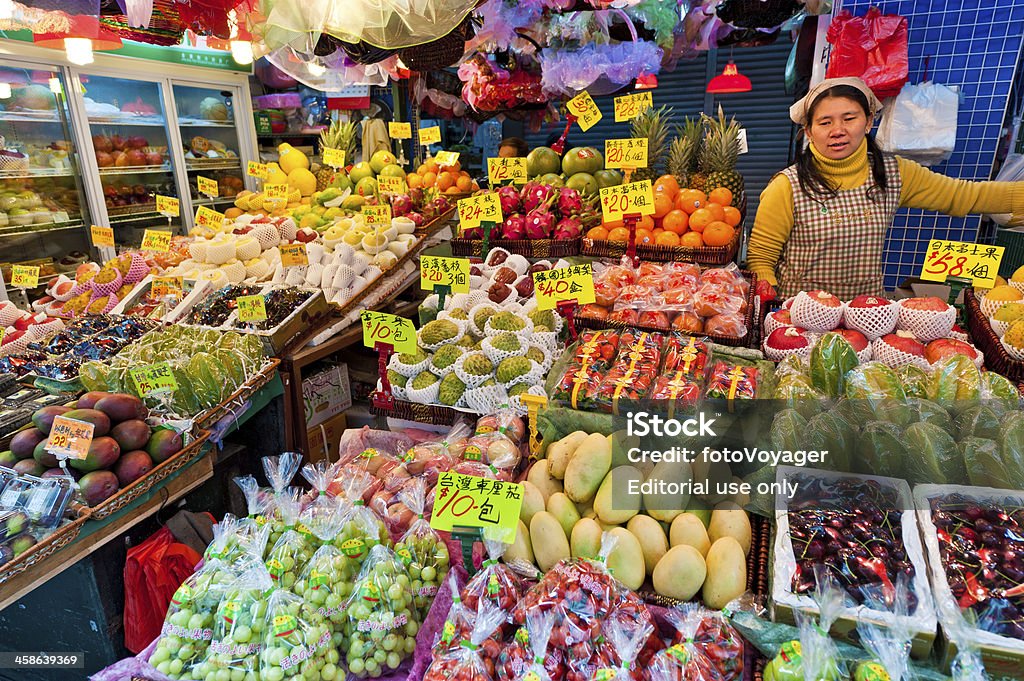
(569, 202)
(415, 217)
(509, 197)
(441, 204)
(401, 205)
(568, 228)
(514, 227)
(473, 233)
(539, 223)
(535, 196)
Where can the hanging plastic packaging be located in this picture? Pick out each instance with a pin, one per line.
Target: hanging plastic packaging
(238, 627)
(363, 529)
(872, 47)
(292, 550)
(921, 123)
(422, 550)
(470, 661)
(296, 641)
(322, 583)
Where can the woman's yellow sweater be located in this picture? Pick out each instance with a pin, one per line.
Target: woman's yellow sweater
(921, 189)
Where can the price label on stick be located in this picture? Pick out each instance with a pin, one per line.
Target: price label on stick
(208, 217)
(480, 208)
(378, 216)
(628, 107)
(465, 500)
(977, 262)
(438, 271)
(276, 191)
(387, 184)
(251, 308)
(635, 197)
(166, 286)
(431, 135)
(334, 158)
(625, 153)
(565, 283)
(168, 205)
(70, 438)
(584, 108)
(399, 131)
(447, 158)
(208, 186)
(102, 236)
(25, 276)
(256, 169)
(154, 379)
(501, 170)
(293, 255)
(156, 240)
(381, 327)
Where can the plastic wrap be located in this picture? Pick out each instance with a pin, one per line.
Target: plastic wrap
(421, 550)
(322, 582)
(495, 583)
(297, 641)
(292, 549)
(238, 631)
(322, 511)
(683, 372)
(363, 529)
(632, 373)
(473, 660)
(684, 659)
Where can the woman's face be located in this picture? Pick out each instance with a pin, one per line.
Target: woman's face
(508, 152)
(837, 127)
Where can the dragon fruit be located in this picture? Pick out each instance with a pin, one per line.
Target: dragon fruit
(569, 202)
(514, 227)
(441, 204)
(416, 196)
(416, 218)
(536, 195)
(539, 223)
(568, 228)
(509, 197)
(401, 205)
(473, 233)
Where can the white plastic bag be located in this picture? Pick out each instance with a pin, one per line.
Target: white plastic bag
(921, 123)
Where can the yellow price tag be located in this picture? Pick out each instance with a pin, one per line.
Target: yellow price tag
(102, 236)
(208, 186)
(293, 255)
(154, 378)
(208, 217)
(438, 271)
(480, 208)
(431, 135)
(399, 131)
(626, 199)
(334, 158)
(256, 169)
(628, 107)
(276, 191)
(25, 276)
(168, 205)
(565, 283)
(977, 262)
(378, 215)
(70, 438)
(251, 308)
(165, 286)
(504, 169)
(381, 327)
(625, 153)
(387, 184)
(584, 108)
(477, 502)
(156, 240)
(447, 158)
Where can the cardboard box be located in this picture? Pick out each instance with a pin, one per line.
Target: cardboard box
(325, 394)
(329, 431)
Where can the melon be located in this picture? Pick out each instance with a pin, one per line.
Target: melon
(36, 97)
(212, 109)
(582, 160)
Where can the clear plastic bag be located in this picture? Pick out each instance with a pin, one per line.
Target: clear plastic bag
(494, 584)
(297, 641)
(526, 658)
(921, 123)
(362, 529)
(322, 583)
(470, 661)
(457, 625)
(234, 540)
(704, 647)
(422, 550)
(292, 550)
(626, 639)
(238, 627)
(257, 501)
(323, 509)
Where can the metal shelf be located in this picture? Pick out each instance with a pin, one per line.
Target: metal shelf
(23, 230)
(135, 217)
(228, 164)
(196, 123)
(125, 120)
(134, 170)
(30, 173)
(213, 202)
(26, 117)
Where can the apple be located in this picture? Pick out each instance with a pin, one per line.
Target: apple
(104, 159)
(102, 143)
(121, 160)
(858, 340)
(927, 303)
(788, 338)
(947, 347)
(154, 158)
(868, 302)
(904, 341)
(136, 157)
(306, 235)
(24, 322)
(782, 317)
(824, 297)
(12, 336)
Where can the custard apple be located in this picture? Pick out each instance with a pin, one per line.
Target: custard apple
(506, 342)
(397, 378)
(477, 364)
(488, 383)
(507, 321)
(446, 356)
(424, 380)
(438, 331)
(541, 328)
(512, 368)
(466, 342)
(459, 313)
(545, 318)
(451, 390)
(518, 389)
(419, 356)
(1010, 312)
(536, 354)
(482, 315)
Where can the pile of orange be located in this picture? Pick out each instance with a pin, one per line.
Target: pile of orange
(682, 217)
(448, 179)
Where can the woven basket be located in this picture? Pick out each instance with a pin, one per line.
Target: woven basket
(529, 248)
(433, 414)
(706, 255)
(440, 53)
(50, 545)
(214, 414)
(985, 339)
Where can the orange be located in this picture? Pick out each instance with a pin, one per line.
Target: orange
(465, 183)
(613, 224)
(619, 234)
(676, 221)
(657, 231)
(646, 222)
(644, 236)
(597, 233)
(429, 178)
(700, 219)
(445, 180)
(431, 165)
(716, 210)
(662, 204)
(414, 180)
(732, 216)
(718, 234)
(452, 190)
(690, 200)
(422, 169)
(669, 182)
(721, 195)
(667, 239)
(691, 240)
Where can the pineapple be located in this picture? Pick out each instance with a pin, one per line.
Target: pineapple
(652, 124)
(682, 154)
(338, 136)
(718, 157)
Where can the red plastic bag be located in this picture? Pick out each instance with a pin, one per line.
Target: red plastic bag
(872, 47)
(153, 571)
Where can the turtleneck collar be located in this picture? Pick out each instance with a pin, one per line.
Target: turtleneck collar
(846, 173)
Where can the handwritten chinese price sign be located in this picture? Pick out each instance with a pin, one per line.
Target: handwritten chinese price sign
(431, 135)
(438, 271)
(255, 169)
(293, 255)
(632, 198)
(390, 185)
(154, 378)
(251, 308)
(334, 158)
(70, 438)
(377, 216)
(565, 283)
(978, 262)
(276, 191)
(629, 107)
(381, 327)
(166, 286)
(480, 208)
(468, 501)
(208, 186)
(207, 217)
(625, 153)
(102, 236)
(504, 169)
(399, 131)
(25, 276)
(447, 158)
(584, 108)
(156, 240)
(168, 205)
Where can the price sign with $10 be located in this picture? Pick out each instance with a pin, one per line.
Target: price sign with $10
(381, 327)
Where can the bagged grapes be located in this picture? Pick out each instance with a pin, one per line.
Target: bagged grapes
(292, 550)
(422, 550)
(280, 471)
(238, 629)
(234, 541)
(471, 661)
(297, 642)
(257, 500)
(323, 506)
(363, 529)
(322, 583)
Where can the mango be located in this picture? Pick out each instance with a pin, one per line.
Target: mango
(729, 520)
(586, 539)
(703, 513)
(665, 507)
(520, 549)
(103, 453)
(560, 452)
(43, 418)
(564, 511)
(132, 466)
(548, 540)
(626, 561)
(687, 529)
(98, 486)
(713, 473)
(122, 407)
(613, 503)
(89, 399)
(680, 573)
(163, 443)
(24, 442)
(540, 476)
(29, 467)
(133, 434)
(727, 573)
(653, 542)
(8, 459)
(587, 468)
(44, 457)
(99, 420)
(533, 501)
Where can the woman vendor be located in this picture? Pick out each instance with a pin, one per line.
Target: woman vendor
(822, 222)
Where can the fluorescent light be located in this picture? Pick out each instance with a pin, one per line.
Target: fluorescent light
(241, 51)
(79, 50)
(55, 87)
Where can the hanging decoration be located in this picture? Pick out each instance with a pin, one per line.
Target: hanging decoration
(83, 37)
(23, 18)
(394, 25)
(163, 27)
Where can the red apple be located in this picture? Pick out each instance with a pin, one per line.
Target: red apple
(245, 229)
(137, 142)
(305, 235)
(928, 303)
(154, 159)
(858, 340)
(136, 157)
(947, 347)
(104, 160)
(102, 143)
(118, 143)
(121, 160)
(868, 302)
(788, 338)
(825, 298)
(782, 317)
(22, 323)
(905, 342)
(12, 336)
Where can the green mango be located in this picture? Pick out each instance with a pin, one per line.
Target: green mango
(880, 450)
(932, 456)
(831, 431)
(984, 465)
(1011, 448)
(914, 380)
(788, 430)
(999, 392)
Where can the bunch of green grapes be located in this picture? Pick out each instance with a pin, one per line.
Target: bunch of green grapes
(297, 643)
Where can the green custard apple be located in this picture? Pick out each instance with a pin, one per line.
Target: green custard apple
(397, 379)
(438, 331)
(507, 321)
(460, 314)
(477, 364)
(415, 358)
(512, 368)
(451, 390)
(446, 356)
(545, 318)
(423, 380)
(482, 315)
(536, 354)
(506, 342)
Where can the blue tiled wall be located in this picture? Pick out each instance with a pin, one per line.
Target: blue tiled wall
(975, 46)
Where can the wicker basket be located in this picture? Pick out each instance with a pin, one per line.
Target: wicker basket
(216, 413)
(529, 248)
(437, 223)
(985, 339)
(50, 545)
(706, 255)
(433, 414)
